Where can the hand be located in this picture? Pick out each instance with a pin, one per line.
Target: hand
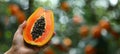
(19, 46)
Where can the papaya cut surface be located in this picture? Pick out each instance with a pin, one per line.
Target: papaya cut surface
(39, 28)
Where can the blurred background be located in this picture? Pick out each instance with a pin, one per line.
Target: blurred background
(81, 26)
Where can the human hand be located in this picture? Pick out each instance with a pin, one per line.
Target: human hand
(19, 46)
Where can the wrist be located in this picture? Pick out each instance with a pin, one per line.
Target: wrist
(12, 50)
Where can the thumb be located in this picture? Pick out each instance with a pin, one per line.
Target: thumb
(17, 36)
(20, 28)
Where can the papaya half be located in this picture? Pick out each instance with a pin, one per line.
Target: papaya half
(39, 28)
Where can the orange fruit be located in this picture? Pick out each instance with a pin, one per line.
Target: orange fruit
(105, 24)
(49, 51)
(13, 8)
(20, 16)
(67, 42)
(65, 6)
(89, 49)
(77, 19)
(84, 31)
(96, 31)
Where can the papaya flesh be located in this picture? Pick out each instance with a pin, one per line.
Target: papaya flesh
(39, 28)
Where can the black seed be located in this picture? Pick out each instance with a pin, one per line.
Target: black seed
(39, 28)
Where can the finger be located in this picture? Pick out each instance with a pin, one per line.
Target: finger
(18, 35)
(54, 34)
(20, 28)
(43, 47)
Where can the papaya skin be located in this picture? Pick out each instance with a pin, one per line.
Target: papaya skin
(49, 27)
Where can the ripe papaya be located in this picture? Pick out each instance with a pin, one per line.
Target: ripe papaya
(84, 31)
(105, 24)
(65, 6)
(39, 28)
(89, 49)
(96, 31)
